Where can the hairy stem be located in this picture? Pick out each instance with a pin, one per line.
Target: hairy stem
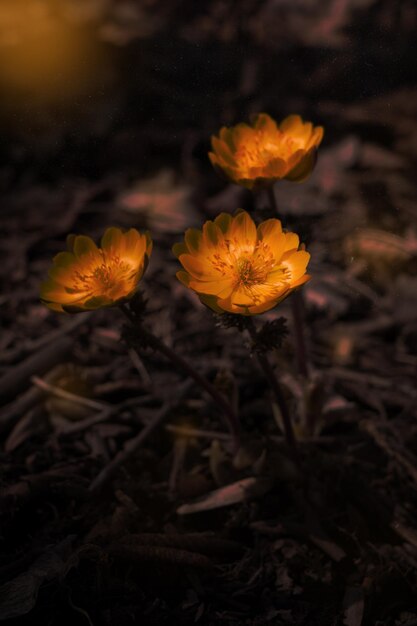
(277, 391)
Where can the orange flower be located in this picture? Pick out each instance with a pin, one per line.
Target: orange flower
(234, 266)
(87, 277)
(257, 156)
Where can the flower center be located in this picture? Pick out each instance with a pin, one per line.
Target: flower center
(261, 150)
(253, 270)
(249, 272)
(103, 278)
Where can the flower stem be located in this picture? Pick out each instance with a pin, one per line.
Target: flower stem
(272, 200)
(297, 310)
(181, 363)
(277, 391)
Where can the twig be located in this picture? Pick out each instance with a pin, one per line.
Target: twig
(47, 339)
(76, 427)
(185, 431)
(392, 447)
(277, 391)
(182, 364)
(179, 454)
(67, 395)
(367, 378)
(134, 444)
(12, 412)
(18, 376)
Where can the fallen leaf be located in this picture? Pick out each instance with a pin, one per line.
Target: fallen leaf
(18, 596)
(354, 605)
(240, 491)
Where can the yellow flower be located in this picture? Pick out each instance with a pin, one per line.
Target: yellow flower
(234, 266)
(87, 277)
(257, 156)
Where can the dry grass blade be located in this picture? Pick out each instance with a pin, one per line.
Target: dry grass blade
(134, 444)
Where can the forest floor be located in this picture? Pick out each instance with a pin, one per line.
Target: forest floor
(178, 529)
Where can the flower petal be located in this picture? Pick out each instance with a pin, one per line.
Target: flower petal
(179, 248)
(70, 242)
(271, 235)
(83, 245)
(53, 292)
(222, 150)
(211, 235)
(256, 309)
(263, 121)
(297, 263)
(135, 254)
(198, 268)
(211, 302)
(301, 281)
(303, 169)
(62, 275)
(183, 277)
(64, 259)
(223, 221)
(221, 288)
(97, 302)
(295, 159)
(243, 229)
(193, 239)
(316, 137)
(227, 172)
(88, 279)
(292, 241)
(292, 125)
(131, 239)
(149, 243)
(112, 238)
(276, 168)
(226, 135)
(242, 133)
(270, 230)
(54, 306)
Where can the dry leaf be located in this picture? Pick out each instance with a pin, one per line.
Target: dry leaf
(240, 491)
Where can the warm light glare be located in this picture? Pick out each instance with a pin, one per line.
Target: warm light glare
(41, 54)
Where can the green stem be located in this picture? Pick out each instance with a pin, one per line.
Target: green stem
(297, 310)
(178, 361)
(277, 391)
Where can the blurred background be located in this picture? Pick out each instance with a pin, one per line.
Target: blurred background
(110, 104)
(105, 87)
